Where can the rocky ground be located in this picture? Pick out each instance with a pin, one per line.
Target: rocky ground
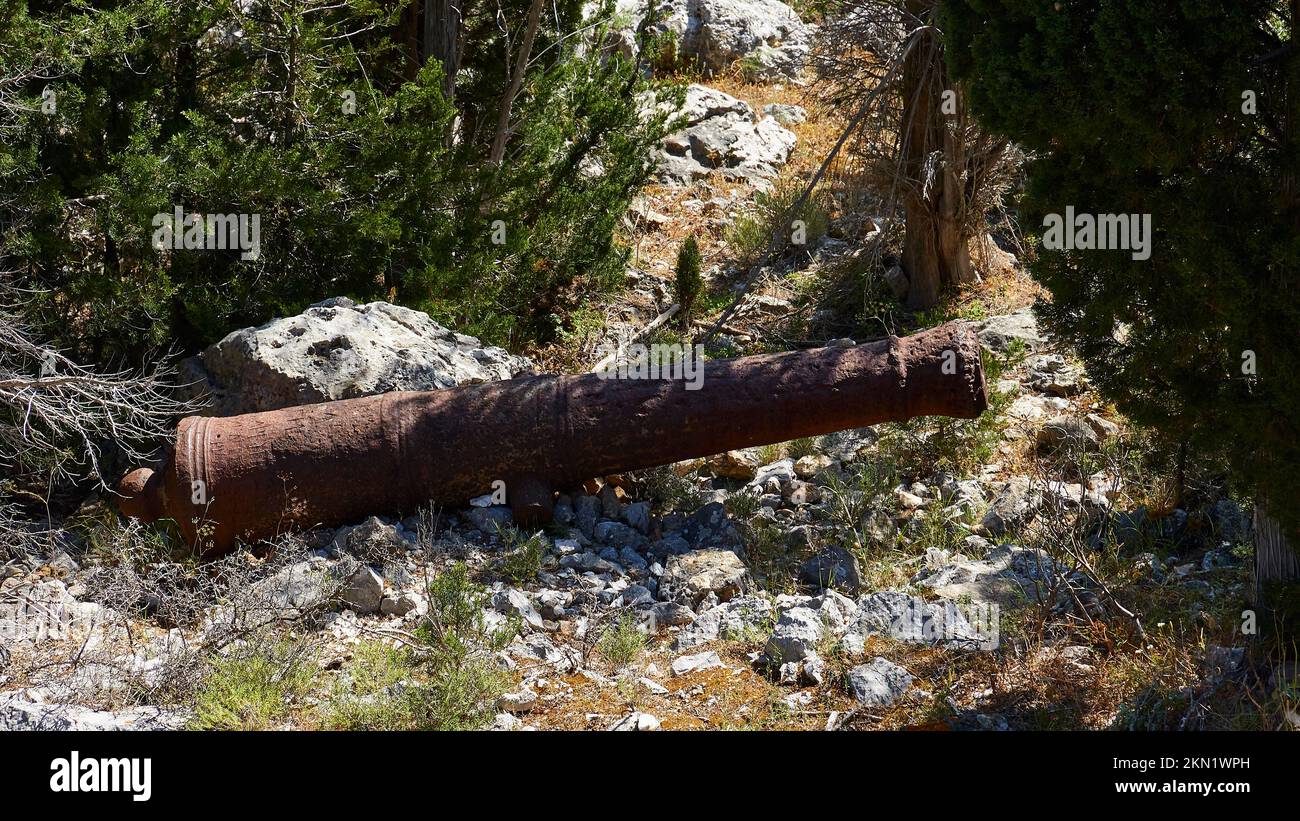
(1026, 570)
(805, 585)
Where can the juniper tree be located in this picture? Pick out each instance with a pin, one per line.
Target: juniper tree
(689, 282)
(1186, 110)
(914, 140)
(317, 116)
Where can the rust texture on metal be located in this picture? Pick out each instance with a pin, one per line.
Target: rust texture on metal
(257, 475)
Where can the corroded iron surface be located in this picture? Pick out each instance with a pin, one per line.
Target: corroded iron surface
(257, 475)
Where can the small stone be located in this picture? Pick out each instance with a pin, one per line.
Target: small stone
(786, 114)
(672, 614)
(735, 464)
(520, 701)
(363, 591)
(637, 515)
(617, 535)
(795, 637)
(562, 513)
(1070, 432)
(897, 281)
(808, 467)
(399, 605)
(814, 672)
(635, 595)
(711, 528)
(694, 663)
(879, 683)
(908, 501)
(636, 722)
(736, 618)
(489, 519)
(653, 686)
(1104, 428)
(586, 512)
(505, 722)
(997, 333)
(1014, 506)
(512, 601)
(801, 493)
(833, 567)
(611, 501)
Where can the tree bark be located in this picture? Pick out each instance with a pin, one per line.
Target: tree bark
(502, 134)
(410, 29)
(442, 23)
(1276, 561)
(935, 248)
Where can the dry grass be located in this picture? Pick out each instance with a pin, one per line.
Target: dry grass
(732, 698)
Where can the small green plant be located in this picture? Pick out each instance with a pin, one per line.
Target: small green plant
(623, 641)
(774, 220)
(669, 489)
(798, 448)
(743, 504)
(689, 282)
(461, 680)
(859, 492)
(254, 689)
(770, 554)
(523, 559)
(446, 679)
(926, 444)
(364, 699)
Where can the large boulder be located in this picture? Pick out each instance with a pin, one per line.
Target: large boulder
(733, 619)
(1008, 575)
(337, 349)
(721, 134)
(692, 578)
(997, 333)
(766, 34)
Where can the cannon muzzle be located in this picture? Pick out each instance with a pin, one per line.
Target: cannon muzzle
(257, 475)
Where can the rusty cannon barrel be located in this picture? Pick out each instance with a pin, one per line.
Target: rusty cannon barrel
(257, 475)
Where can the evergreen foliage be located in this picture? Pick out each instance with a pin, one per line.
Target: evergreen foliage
(1185, 110)
(317, 117)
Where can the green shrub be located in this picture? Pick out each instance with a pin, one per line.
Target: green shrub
(447, 680)
(665, 487)
(253, 689)
(344, 151)
(773, 216)
(462, 682)
(623, 642)
(365, 698)
(688, 283)
(1138, 108)
(523, 559)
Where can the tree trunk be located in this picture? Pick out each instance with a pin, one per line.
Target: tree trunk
(442, 22)
(935, 248)
(410, 28)
(502, 134)
(1276, 561)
